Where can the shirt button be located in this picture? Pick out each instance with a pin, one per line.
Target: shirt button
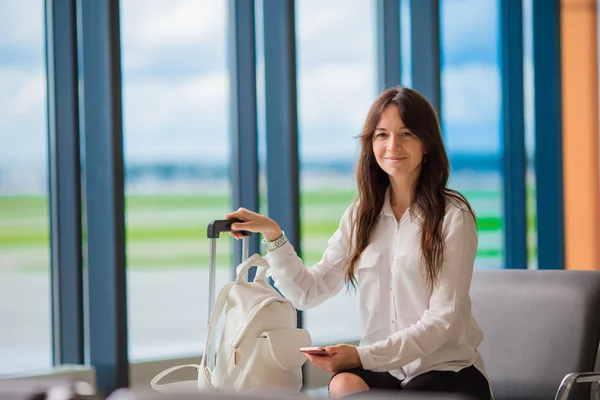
(392, 321)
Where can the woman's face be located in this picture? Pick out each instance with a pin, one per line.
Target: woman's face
(397, 151)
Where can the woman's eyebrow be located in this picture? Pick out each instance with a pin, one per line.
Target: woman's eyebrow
(385, 129)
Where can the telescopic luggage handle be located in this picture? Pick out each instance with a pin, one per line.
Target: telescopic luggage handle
(215, 228)
(223, 225)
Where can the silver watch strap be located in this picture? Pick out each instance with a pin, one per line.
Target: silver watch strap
(277, 243)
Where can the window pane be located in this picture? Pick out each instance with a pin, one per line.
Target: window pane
(471, 116)
(25, 336)
(532, 259)
(176, 133)
(336, 86)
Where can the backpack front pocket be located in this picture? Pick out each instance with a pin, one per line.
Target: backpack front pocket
(275, 360)
(284, 346)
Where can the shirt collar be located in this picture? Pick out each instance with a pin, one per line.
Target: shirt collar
(387, 207)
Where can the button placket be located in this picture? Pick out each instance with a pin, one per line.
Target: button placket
(393, 253)
(397, 235)
(398, 230)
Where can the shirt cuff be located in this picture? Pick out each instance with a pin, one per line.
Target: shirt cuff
(281, 260)
(366, 359)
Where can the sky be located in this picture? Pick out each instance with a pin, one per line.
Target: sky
(176, 85)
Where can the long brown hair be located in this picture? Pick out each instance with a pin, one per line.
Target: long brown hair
(430, 191)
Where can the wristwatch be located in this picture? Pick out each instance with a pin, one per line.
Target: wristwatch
(277, 243)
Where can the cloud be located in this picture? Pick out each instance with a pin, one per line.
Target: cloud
(177, 119)
(23, 134)
(528, 76)
(469, 27)
(31, 95)
(22, 23)
(336, 93)
(23, 131)
(529, 106)
(171, 34)
(333, 102)
(167, 23)
(340, 30)
(471, 93)
(471, 107)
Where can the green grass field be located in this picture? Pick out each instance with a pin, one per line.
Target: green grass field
(170, 231)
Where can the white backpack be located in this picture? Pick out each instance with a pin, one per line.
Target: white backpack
(259, 348)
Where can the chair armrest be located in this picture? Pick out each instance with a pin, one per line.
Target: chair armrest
(573, 378)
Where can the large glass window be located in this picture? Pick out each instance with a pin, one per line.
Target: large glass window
(25, 333)
(176, 133)
(471, 104)
(337, 78)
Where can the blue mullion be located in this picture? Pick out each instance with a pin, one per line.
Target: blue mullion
(281, 118)
(548, 134)
(514, 199)
(65, 188)
(244, 129)
(104, 183)
(388, 43)
(425, 50)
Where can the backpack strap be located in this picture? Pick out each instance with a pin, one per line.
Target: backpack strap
(214, 318)
(254, 260)
(177, 386)
(261, 274)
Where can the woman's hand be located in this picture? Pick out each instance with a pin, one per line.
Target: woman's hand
(254, 222)
(346, 356)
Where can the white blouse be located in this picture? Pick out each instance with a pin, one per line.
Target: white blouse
(407, 329)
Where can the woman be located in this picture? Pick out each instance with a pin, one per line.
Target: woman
(410, 244)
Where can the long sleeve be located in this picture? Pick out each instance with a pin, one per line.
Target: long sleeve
(309, 287)
(449, 298)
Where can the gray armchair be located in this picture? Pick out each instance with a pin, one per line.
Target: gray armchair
(541, 332)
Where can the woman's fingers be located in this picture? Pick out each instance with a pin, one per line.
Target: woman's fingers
(241, 213)
(231, 215)
(240, 226)
(320, 362)
(250, 221)
(312, 359)
(235, 235)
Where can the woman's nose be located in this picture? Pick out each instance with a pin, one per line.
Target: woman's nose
(394, 143)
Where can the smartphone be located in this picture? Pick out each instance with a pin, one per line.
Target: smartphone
(316, 351)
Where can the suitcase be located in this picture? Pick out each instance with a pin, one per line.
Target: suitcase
(215, 228)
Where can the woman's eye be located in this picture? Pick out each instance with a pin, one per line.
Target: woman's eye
(381, 135)
(407, 134)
